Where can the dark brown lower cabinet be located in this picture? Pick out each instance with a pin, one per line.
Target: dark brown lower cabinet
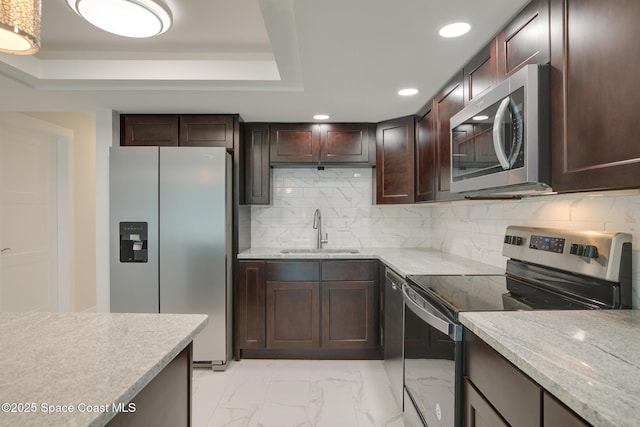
(293, 315)
(250, 307)
(166, 400)
(308, 309)
(348, 315)
(496, 393)
(477, 411)
(555, 414)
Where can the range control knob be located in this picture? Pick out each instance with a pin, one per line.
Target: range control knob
(513, 240)
(590, 251)
(576, 249)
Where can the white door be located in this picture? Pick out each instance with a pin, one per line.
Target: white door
(28, 219)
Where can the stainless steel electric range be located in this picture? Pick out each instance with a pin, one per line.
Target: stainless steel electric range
(547, 269)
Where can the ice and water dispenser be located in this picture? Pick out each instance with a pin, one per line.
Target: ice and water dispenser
(133, 242)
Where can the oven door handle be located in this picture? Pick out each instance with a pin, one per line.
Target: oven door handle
(428, 314)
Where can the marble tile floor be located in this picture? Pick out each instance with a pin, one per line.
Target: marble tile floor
(281, 393)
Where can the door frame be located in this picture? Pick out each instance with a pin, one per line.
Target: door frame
(65, 225)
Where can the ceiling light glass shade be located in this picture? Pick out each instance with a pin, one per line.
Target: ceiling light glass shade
(20, 26)
(128, 18)
(454, 30)
(407, 92)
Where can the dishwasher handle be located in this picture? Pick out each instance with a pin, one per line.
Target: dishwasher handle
(429, 314)
(394, 280)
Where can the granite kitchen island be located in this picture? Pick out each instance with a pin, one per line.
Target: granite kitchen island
(89, 369)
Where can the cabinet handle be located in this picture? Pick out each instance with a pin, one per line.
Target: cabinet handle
(3, 250)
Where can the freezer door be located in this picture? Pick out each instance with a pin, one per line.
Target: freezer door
(133, 187)
(194, 213)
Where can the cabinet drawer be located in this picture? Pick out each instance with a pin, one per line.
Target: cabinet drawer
(558, 415)
(293, 271)
(349, 270)
(514, 395)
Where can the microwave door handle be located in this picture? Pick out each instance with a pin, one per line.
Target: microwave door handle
(498, 144)
(425, 314)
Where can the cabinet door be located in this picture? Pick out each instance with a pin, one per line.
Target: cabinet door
(256, 168)
(251, 300)
(425, 158)
(525, 40)
(205, 130)
(395, 142)
(515, 396)
(348, 314)
(447, 103)
(595, 97)
(149, 130)
(480, 74)
(344, 143)
(477, 412)
(294, 143)
(293, 315)
(555, 414)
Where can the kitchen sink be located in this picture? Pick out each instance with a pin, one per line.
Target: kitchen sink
(319, 251)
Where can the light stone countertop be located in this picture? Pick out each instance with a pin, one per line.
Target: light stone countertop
(83, 359)
(404, 261)
(589, 360)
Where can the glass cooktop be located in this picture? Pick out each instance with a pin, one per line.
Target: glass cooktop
(488, 293)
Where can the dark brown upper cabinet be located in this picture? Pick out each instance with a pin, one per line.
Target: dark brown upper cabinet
(293, 143)
(594, 94)
(525, 39)
(481, 73)
(425, 157)
(448, 102)
(149, 130)
(347, 143)
(191, 130)
(202, 130)
(395, 174)
(257, 172)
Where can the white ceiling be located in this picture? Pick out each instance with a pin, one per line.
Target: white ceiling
(268, 60)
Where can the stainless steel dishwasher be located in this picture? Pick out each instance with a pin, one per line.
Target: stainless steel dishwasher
(393, 332)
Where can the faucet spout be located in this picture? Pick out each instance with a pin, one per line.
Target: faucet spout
(317, 225)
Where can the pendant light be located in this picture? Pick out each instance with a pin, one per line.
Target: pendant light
(128, 18)
(20, 26)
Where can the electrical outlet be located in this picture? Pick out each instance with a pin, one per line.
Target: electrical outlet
(343, 224)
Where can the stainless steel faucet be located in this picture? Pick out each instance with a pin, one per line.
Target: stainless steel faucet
(317, 225)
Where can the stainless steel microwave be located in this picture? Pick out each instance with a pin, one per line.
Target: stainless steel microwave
(500, 142)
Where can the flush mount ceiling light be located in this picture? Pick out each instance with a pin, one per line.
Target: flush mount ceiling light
(455, 29)
(20, 26)
(407, 92)
(128, 18)
(321, 117)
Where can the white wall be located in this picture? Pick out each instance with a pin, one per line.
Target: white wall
(83, 176)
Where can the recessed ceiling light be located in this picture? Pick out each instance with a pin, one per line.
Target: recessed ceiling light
(455, 29)
(128, 18)
(408, 92)
(478, 118)
(321, 117)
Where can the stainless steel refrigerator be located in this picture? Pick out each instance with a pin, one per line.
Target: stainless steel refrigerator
(170, 217)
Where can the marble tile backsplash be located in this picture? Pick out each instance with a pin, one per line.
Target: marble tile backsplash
(476, 229)
(473, 229)
(344, 197)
